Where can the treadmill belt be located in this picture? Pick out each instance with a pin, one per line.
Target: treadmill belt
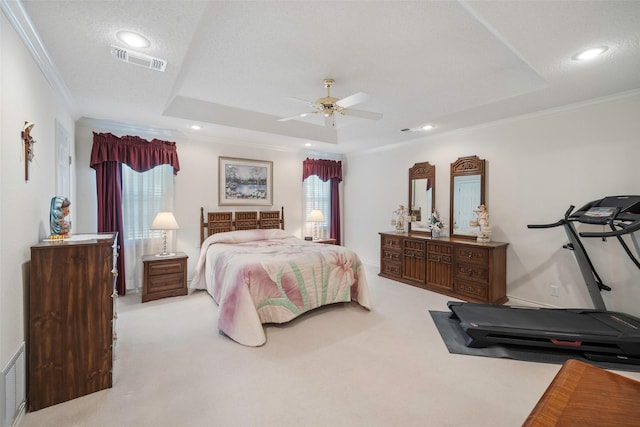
(549, 320)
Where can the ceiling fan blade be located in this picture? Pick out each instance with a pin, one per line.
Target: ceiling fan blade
(309, 103)
(297, 116)
(362, 114)
(354, 99)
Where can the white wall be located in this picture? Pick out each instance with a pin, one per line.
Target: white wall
(25, 94)
(536, 167)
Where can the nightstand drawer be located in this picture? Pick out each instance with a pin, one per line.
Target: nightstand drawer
(165, 282)
(165, 267)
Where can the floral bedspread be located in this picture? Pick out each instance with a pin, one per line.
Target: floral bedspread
(270, 276)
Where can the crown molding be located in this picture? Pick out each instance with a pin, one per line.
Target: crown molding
(17, 16)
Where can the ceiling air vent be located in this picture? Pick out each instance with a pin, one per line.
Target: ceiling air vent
(137, 58)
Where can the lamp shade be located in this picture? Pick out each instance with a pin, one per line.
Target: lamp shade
(164, 221)
(315, 216)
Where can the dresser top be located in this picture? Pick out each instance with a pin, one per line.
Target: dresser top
(456, 240)
(78, 240)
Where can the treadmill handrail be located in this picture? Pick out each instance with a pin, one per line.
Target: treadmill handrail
(555, 224)
(627, 229)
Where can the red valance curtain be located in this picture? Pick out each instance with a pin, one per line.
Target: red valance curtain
(137, 153)
(108, 154)
(328, 170)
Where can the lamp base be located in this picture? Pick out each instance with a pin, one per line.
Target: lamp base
(165, 254)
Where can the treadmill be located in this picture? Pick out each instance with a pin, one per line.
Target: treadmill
(597, 334)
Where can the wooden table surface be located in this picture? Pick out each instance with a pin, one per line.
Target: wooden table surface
(585, 395)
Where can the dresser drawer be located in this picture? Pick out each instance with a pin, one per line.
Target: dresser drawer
(165, 267)
(391, 242)
(389, 255)
(476, 291)
(391, 268)
(470, 254)
(475, 273)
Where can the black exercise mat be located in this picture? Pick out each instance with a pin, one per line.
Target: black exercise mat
(454, 338)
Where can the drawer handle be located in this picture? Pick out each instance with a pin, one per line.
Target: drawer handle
(469, 272)
(470, 255)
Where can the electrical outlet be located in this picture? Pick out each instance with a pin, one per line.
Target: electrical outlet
(555, 291)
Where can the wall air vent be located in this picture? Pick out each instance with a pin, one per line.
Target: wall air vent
(137, 58)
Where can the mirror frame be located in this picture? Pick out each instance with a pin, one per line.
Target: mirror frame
(422, 170)
(464, 166)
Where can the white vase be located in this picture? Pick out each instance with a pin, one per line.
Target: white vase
(435, 233)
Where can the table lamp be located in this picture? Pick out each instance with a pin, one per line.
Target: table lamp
(315, 216)
(164, 221)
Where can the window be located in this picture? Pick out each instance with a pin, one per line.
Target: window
(317, 195)
(144, 194)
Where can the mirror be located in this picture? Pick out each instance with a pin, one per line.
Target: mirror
(467, 193)
(422, 188)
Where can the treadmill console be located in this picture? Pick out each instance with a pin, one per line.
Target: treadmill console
(598, 215)
(620, 208)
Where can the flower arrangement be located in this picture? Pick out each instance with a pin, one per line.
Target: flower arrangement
(435, 223)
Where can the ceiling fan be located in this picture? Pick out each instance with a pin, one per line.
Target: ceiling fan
(328, 106)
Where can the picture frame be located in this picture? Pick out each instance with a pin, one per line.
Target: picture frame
(244, 182)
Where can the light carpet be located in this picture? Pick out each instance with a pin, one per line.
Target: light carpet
(337, 366)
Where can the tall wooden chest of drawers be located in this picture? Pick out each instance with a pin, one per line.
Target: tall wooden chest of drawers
(460, 268)
(71, 312)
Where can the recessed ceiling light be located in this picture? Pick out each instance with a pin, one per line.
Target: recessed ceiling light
(590, 53)
(195, 127)
(133, 39)
(427, 127)
(308, 144)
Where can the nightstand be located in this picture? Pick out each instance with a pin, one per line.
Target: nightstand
(325, 241)
(164, 276)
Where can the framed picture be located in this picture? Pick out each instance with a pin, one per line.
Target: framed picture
(244, 182)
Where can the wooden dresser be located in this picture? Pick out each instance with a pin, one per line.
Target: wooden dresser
(71, 312)
(460, 268)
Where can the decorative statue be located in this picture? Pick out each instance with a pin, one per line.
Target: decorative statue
(399, 216)
(484, 232)
(435, 224)
(59, 210)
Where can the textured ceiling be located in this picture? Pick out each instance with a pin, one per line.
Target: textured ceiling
(233, 66)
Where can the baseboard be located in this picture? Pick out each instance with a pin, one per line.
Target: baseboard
(527, 303)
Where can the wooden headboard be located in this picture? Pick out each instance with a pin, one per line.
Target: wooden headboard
(219, 222)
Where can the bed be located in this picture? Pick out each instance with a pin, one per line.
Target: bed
(258, 273)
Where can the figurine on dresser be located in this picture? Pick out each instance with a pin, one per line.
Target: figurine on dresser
(484, 229)
(59, 211)
(398, 218)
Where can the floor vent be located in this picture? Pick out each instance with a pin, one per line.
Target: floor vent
(14, 387)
